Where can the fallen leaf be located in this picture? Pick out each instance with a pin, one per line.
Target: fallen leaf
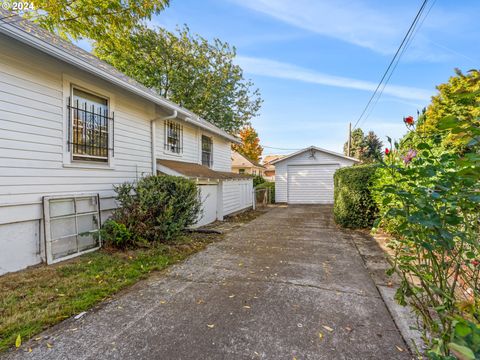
(200, 301)
(119, 307)
(18, 341)
(231, 296)
(38, 338)
(246, 307)
(348, 328)
(89, 262)
(399, 348)
(163, 302)
(29, 349)
(240, 264)
(49, 345)
(256, 353)
(211, 326)
(389, 284)
(328, 328)
(320, 335)
(80, 315)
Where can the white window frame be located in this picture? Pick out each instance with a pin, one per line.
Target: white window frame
(47, 221)
(69, 83)
(166, 150)
(201, 150)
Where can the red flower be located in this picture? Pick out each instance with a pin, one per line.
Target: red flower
(409, 120)
(387, 151)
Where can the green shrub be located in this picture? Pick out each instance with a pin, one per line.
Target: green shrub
(156, 209)
(353, 204)
(257, 180)
(270, 186)
(116, 234)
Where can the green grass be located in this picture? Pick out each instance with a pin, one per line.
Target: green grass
(39, 297)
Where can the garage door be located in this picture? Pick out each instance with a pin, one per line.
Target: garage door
(310, 184)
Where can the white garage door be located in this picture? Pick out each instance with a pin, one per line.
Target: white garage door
(310, 184)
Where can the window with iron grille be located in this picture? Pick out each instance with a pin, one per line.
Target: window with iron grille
(89, 126)
(173, 137)
(207, 146)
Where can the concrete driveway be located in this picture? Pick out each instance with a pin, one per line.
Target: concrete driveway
(289, 285)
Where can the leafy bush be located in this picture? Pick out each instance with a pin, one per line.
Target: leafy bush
(432, 196)
(270, 186)
(116, 234)
(257, 180)
(156, 209)
(354, 206)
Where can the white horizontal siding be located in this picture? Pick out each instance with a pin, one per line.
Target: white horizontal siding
(222, 154)
(237, 195)
(190, 143)
(304, 158)
(32, 126)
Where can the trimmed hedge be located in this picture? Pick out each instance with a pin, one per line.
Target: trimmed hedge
(354, 206)
(268, 185)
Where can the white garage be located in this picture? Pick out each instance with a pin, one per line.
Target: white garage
(306, 177)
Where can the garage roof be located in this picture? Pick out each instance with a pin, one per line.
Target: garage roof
(316, 149)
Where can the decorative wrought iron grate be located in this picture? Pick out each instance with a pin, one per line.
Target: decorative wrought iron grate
(89, 131)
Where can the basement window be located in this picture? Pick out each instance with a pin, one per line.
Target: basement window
(71, 226)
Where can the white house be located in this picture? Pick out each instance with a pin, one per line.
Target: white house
(71, 127)
(306, 176)
(243, 165)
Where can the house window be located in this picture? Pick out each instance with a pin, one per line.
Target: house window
(254, 172)
(241, 171)
(207, 146)
(173, 137)
(89, 127)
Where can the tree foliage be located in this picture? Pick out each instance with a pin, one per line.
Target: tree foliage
(93, 19)
(459, 98)
(187, 69)
(367, 148)
(250, 146)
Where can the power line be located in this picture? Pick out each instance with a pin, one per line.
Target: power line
(407, 44)
(277, 148)
(405, 38)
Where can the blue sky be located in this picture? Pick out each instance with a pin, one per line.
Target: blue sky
(316, 62)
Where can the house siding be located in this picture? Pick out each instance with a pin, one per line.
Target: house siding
(192, 151)
(32, 112)
(304, 158)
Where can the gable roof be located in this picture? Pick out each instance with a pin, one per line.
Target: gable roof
(271, 158)
(317, 149)
(32, 35)
(249, 160)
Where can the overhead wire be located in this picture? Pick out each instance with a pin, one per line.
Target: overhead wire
(392, 62)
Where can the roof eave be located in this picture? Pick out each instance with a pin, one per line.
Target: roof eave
(52, 50)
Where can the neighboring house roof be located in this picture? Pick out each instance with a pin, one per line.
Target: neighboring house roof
(237, 157)
(197, 171)
(269, 158)
(31, 34)
(317, 149)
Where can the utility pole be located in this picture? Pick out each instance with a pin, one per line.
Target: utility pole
(349, 138)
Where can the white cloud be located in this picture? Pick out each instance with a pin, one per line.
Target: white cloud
(349, 21)
(276, 69)
(363, 23)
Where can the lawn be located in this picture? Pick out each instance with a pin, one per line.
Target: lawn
(39, 297)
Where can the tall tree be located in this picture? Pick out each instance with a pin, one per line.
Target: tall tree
(373, 147)
(93, 19)
(250, 146)
(187, 69)
(367, 148)
(459, 98)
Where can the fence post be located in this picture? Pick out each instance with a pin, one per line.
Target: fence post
(254, 199)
